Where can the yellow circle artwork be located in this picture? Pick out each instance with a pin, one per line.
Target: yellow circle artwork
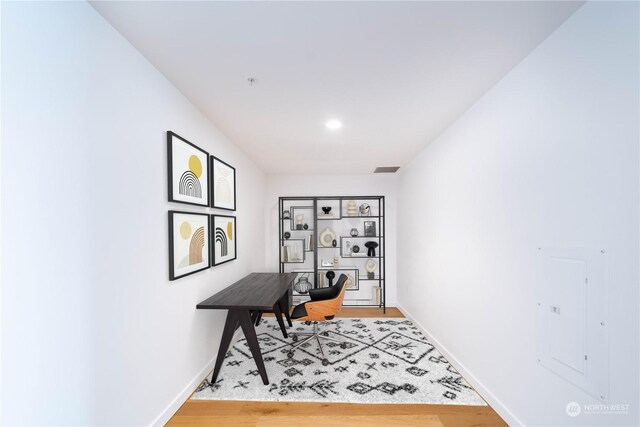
(185, 230)
(230, 230)
(195, 166)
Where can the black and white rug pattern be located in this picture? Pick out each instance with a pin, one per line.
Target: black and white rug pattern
(385, 360)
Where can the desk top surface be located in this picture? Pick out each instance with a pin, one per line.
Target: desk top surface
(257, 291)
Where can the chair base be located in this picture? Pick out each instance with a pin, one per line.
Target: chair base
(311, 335)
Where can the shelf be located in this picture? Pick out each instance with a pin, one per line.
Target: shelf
(339, 223)
(363, 257)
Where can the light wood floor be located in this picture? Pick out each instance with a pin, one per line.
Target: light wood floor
(272, 414)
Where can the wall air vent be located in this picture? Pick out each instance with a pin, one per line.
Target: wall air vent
(386, 169)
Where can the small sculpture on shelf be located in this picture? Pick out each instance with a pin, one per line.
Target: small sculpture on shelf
(355, 249)
(305, 226)
(287, 235)
(365, 210)
(286, 214)
(336, 260)
(348, 248)
(326, 210)
(327, 237)
(371, 266)
(372, 248)
(376, 294)
(351, 208)
(299, 219)
(354, 232)
(334, 243)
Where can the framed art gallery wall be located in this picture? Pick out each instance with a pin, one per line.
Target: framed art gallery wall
(101, 174)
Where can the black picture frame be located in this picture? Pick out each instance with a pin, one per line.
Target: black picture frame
(214, 235)
(370, 229)
(172, 244)
(212, 186)
(186, 177)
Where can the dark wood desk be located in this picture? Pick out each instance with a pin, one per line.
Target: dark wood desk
(245, 300)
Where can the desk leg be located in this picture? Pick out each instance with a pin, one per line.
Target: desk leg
(229, 328)
(258, 318)
(278, 314)
(284, 307)
(252, 340)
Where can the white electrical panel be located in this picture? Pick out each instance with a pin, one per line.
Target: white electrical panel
(571, 316)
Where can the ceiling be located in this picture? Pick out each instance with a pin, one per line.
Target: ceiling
(396, 74)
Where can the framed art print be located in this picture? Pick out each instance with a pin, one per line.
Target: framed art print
(188, 243)
(223, 185)
(370, 228)
(224, 239)
(188, 171)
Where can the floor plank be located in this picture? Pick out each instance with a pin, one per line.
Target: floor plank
(351, 420)
(221, 413)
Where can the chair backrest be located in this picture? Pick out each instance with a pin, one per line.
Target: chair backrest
(326, 309)
(340, 283)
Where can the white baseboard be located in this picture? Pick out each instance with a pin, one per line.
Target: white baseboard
(483, 391)
(182, 397)
(173, 407)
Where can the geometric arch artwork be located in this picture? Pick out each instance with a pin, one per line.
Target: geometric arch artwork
(224, 239)
(221, 238)
(188, 167)
(223, 184)
(188, 243)
(190, 185)
(195, 246)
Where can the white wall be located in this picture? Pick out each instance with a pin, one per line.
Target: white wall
(548, 157)
(93, 331)
(335, 185)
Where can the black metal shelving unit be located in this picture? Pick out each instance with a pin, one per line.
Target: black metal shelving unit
(313, 258)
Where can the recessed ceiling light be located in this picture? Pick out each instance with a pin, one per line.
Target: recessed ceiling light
(334, 124)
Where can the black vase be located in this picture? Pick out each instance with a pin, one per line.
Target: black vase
(372, 248)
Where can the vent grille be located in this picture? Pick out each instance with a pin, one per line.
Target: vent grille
(386, 169)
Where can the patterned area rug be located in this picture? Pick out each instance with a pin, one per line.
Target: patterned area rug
(384, 361)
